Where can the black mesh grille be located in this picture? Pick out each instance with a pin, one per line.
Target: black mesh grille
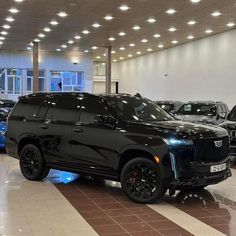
(206, 150)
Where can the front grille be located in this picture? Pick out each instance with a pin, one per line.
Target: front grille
(207, 151)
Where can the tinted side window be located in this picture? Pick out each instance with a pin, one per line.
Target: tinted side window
(64, 110)
(91, 107)
(29, 107)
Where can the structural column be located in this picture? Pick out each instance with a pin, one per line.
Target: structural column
(108, 69)
(35, 67)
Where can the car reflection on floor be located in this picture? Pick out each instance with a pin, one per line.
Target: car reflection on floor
(219, 213)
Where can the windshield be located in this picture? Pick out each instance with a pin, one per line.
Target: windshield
(166, 106)
(137, 109)
(197, 109)
(232, 115)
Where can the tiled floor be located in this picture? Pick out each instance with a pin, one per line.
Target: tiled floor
(67, 205)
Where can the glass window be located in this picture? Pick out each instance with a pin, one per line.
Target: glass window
(197, 109)
(29, 84)
(90, 108)
(65, 109)
(2, 79)
(28, 107)
(137, 109)
(99, 68)
(41, 80)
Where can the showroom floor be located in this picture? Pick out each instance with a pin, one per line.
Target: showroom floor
(67, 205)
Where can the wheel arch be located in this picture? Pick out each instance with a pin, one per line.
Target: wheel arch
(25, 141)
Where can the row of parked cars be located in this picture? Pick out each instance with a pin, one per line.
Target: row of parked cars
(206, 112)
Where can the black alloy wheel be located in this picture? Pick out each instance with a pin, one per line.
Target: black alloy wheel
(141, 180)
(32, 164)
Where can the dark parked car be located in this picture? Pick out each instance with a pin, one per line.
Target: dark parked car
(119, 137)
(7, 104)
(230, 125)
(3, 126)
(169, 106)
(203, 112)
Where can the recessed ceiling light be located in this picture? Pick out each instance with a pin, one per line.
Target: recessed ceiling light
(54, 22)
(113, 52)
(149, 49)
(31, 44)
(98, 57)
(138, 52)
(121, 58)
(174, 42)
(58, 49)
(172, 29)
(86, 51)
(96, 25)
(124, 7)
(144, 40)
(37, 40)
(64, 46)
(77, 37)
(231, 24)
(114, 60)
(136, 27)
(208, 31)
(13, 10)
(104, 54)
(2, 38)
(132, 45)
(1, 42)
(151, 20)
(190, 37)
(130, 55)
(70, 41)
(94, 47)
(29, 48)
(18, 0)
(86, 32)
(62, 14)
(161, 46)
(192, 22)
(41, 35)
(122, 48)
(122, 33)
(108, 17)
(195, 1)
(171, 11)
(6, 26)
(4, 33)
(216, 13)
(10, 19)
(156, 35)
(111, 39)
(47, 29)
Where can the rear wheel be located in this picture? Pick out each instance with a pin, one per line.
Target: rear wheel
(141, 181)
(32, 164)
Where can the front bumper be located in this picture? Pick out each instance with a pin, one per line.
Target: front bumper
(198, 174)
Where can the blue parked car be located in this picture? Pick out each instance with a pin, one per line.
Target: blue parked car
(4, 112)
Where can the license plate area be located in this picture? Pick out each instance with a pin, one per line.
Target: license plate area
(217, 168)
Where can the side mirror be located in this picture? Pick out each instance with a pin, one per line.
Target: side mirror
(222, 115)
(106, 121)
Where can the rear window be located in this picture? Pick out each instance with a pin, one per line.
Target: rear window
(29, 107)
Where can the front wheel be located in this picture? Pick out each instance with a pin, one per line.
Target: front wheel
(32, 164)
(141, 181)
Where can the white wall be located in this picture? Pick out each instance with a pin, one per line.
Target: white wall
(201, 70)
(50, 61)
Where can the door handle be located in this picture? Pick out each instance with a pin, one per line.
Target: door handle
(78, 130)
(44, 126)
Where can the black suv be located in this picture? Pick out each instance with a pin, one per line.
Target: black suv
(118, 137)
(230, 125)
(170, 106)
(204, 112)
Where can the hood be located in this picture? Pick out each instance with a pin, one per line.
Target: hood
(179, 129)
(197, 118)
(229, 125)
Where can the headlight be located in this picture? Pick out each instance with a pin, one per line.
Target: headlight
(176, 142)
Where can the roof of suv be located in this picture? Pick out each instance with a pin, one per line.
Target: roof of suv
(205, 102)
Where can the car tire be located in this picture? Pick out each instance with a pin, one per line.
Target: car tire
(141, 181)
(32, 164)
